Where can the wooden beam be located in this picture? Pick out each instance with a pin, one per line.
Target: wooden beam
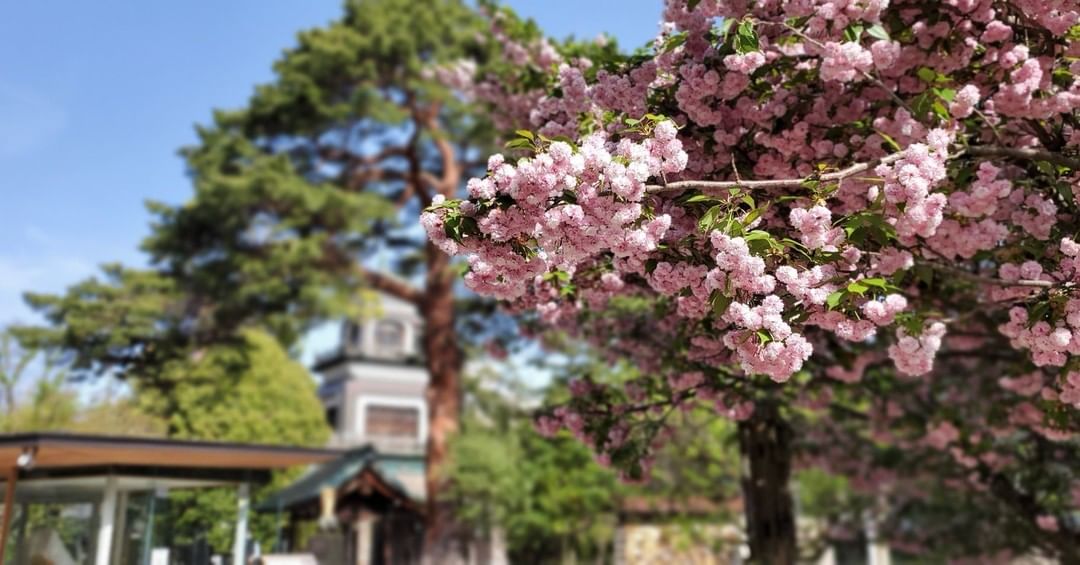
(11, 478)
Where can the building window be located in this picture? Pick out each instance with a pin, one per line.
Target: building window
(392, 421)
(356, 334)
(332, 417)
(390, 336)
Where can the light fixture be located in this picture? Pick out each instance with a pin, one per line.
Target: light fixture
(26, 458)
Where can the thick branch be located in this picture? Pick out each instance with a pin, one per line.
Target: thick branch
(390, 285)
(990, 280)
(451, 174)
(859, 168)
(1025, 154)
(853, 170)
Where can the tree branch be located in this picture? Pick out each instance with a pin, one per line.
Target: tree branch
(989, 280)
(1026, 154)
(842, 174)
(390, 285)
(353, 160)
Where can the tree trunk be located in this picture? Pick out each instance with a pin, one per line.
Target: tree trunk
(765, 443)
(444, 363)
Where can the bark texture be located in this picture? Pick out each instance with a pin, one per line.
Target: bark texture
(765, 443)
(444, 363)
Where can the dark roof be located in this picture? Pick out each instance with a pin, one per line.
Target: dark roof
(72, 452)
(337, 474)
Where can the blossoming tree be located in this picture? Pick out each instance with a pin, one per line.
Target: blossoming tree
(848, 224)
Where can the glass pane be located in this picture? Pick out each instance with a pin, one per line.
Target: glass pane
(60, 532)
(145, 528)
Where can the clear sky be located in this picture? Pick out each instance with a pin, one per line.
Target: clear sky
(96, 98)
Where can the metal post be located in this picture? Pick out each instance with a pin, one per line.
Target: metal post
(240, 542)
(107, 517)
(9, 507)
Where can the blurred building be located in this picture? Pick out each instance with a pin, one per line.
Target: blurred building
(373, 382)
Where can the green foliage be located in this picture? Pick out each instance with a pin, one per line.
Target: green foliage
(549, 496)
(261, 240)
(248, 392)
(38, 398)
(128, 320)
(322, 168)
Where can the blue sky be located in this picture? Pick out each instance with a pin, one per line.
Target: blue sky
(96, 98)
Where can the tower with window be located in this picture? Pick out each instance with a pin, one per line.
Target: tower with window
(374, 381)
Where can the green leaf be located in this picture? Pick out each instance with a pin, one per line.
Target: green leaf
(526, 134)
(857, 287)
(709, 218)
(940, 110)
(751, 216)
(946, 94)
(746, 39)
(833, 300)
(1066, 192)
(673, 41)
(1038, 312)
(922, 104)
(877, 31)
(853, 32)
(720, 303)
(876, 282)
(692, 4)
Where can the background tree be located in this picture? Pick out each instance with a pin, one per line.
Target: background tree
(325, 171)
(239, 386)
(249, 392)
(327, 167)
(49, 402)
(14, 361)
(551, 497)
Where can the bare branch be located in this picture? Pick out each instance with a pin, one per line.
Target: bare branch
(974, 277)
(1027, 154)
(842, 174)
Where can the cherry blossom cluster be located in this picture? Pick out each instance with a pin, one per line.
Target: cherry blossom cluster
(949, 255)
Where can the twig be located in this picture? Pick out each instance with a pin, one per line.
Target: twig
(876, 81)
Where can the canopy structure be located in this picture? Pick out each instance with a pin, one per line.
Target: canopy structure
(107, 480)
(42, 453)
